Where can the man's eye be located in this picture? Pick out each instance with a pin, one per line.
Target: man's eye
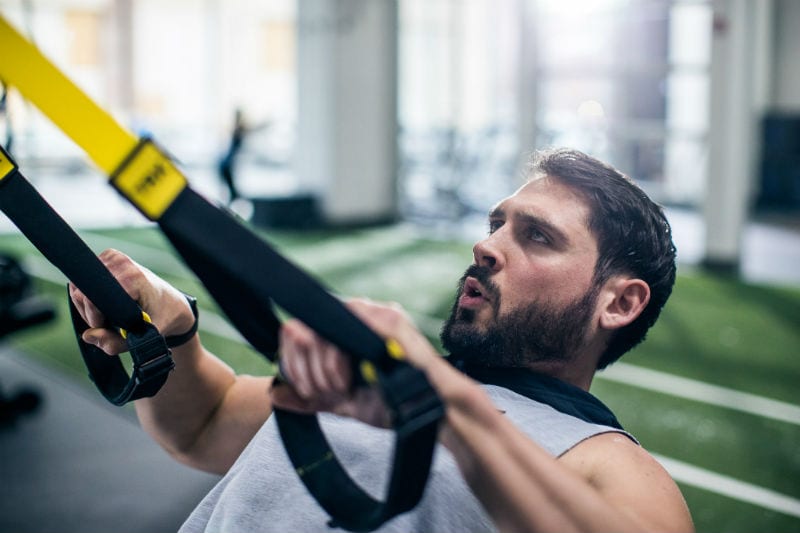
(537, 236)
(494, 225)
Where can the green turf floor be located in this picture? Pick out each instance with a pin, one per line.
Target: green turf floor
(715, 330)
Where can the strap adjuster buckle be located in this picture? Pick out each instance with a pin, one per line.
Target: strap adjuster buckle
(151, 356)
(414, 403)
(154, 368)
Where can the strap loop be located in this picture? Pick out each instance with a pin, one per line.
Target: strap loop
(151, 358)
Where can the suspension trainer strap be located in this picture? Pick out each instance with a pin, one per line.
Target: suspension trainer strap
(221, 251)
(43, 227)
(245, 276)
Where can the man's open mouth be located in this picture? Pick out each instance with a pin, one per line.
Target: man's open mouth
(473, 294)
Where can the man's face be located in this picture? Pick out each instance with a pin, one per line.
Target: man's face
(529, 296)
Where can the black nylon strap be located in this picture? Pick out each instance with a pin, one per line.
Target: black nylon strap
(251, 312)
(244, 274)
(53, 237)
(416, 424)
(220, 250)
(59, 243)
(349, 506)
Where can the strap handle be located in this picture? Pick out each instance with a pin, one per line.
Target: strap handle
(206, 236)
(416, 422)
(59, 243)
(152, 363)
(245, 275)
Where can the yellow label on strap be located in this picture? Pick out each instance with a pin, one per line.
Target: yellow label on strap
(6, 165)
(149, 180)
(147, 177)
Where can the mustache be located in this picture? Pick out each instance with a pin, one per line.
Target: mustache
(484, 276)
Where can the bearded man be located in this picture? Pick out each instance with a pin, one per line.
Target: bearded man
(575, 269)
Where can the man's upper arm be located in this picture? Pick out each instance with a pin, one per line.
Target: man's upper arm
(631, 480)
(243, 410)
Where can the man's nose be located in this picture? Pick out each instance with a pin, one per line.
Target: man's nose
(487, 253)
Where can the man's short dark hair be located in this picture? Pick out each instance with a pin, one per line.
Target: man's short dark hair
(633, 235)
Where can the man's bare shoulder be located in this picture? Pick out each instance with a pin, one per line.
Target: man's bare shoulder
(593, 457)
(630, 478)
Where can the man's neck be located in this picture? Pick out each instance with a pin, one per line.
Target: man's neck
(579, 371)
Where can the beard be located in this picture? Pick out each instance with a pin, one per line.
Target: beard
(533, 333)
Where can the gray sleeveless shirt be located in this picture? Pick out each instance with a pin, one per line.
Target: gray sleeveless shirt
(262, 493)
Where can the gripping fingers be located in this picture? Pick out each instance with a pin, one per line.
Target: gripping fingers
(338, 368)
(313, 366)
(90, 314)
(324, 368)
(391, 322)
(290, 366)
(117, 264)
(106, 339)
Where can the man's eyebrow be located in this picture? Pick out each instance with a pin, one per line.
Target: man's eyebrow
(496, 212)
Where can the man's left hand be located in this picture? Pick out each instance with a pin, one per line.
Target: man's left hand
(317, 377)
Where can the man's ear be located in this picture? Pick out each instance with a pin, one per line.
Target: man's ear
(625, 300)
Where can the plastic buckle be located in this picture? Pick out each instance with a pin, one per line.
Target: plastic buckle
(151, 356)
(414, 403)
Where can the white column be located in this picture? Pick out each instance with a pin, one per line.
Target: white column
(733, 129)
(347, 107)
(121, 61)
(527, 85)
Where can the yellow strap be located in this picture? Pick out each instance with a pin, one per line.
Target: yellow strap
(32, 74)
(148, 178)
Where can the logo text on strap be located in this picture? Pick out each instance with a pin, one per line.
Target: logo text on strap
(149, 180)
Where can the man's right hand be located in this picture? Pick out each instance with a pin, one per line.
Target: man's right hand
(205, 414)
(166, 306)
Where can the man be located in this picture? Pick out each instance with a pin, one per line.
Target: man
(576, 267)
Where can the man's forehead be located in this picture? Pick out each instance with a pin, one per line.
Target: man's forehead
(540, 192)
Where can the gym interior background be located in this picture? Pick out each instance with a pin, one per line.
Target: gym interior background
(378, 133)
